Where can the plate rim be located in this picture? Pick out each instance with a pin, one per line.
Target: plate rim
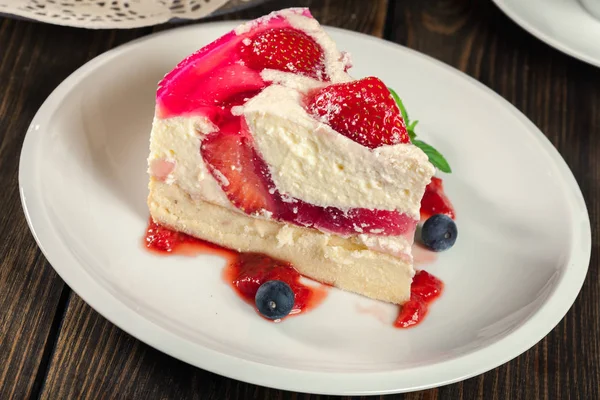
(557, 44)
(335, 383)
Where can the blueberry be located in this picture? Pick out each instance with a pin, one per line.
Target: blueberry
(274, 299)
(439, 232)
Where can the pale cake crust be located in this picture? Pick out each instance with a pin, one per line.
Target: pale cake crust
(330, 259)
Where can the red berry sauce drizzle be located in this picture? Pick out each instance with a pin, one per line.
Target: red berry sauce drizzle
(250, 270)
(435, 201)
(425, 288)
(244, 272)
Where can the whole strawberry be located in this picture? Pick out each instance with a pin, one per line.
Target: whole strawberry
(362, 110)
(284, 49)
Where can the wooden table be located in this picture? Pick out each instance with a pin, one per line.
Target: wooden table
(54, 346)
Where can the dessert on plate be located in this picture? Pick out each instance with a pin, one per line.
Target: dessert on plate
(262, 142)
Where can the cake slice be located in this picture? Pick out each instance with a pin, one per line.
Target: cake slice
(262, 142)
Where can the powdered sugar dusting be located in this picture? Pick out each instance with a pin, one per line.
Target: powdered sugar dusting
(336, 64)
(329, 106)
(298, 82)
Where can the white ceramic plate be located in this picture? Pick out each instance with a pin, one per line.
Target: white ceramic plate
(519, 263)
(564, 24)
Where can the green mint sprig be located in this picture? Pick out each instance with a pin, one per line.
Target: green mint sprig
(435, 157)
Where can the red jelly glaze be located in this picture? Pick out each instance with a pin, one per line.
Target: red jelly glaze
(424, 290)
(435, 201)
(245, 272)
(196, 86)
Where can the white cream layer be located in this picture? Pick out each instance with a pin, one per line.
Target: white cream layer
(312, 162)
(177, 140)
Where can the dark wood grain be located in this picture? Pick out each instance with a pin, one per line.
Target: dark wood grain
(34, 59)
(54, 345)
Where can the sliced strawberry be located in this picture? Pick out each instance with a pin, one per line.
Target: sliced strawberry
(435, 201)
(231, 160)
(284, 49)
(362, 110)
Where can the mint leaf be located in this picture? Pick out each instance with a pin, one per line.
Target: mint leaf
(400, 105)
(435, 157)
(410, 129)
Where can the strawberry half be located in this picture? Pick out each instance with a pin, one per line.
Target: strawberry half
(284, 49)
(363, 111)
(232, 161)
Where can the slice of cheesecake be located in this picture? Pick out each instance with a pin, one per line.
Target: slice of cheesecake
(262, 142)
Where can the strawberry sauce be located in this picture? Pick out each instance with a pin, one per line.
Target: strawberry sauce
(164, 241)
(424, 290)
(244, 272)
(250, 270)
(435, 201)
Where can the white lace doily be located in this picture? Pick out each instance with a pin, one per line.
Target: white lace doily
(103, 14)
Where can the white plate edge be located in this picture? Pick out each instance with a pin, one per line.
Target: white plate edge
(558, 45)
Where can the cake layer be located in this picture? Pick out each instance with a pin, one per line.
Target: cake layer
(343, 263)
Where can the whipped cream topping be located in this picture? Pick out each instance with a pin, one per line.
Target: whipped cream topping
(297, 82)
